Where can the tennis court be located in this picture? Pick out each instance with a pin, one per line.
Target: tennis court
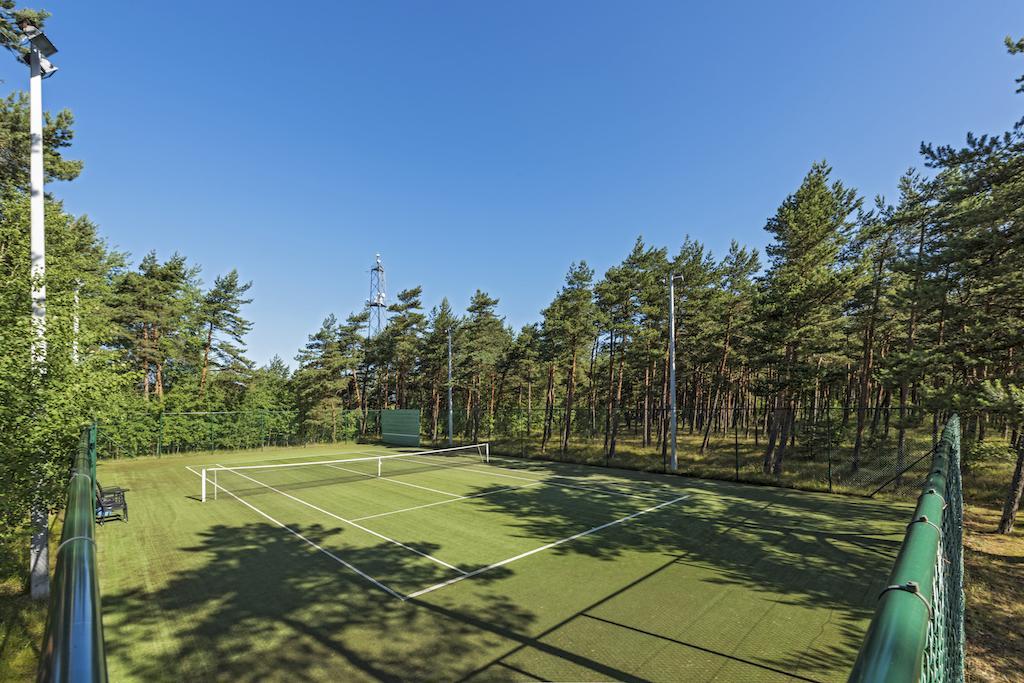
(372, 563)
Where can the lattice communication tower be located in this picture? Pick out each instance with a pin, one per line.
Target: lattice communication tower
(377, 302)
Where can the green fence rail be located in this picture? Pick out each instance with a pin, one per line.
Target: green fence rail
(917, 633)
(73, 647)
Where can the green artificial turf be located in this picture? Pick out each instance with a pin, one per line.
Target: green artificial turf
(726, 583)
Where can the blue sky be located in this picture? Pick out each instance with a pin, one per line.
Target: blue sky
(489, 145)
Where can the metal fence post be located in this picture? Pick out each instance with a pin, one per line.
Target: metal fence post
(828, 444)
(736, 440)
(160, 434)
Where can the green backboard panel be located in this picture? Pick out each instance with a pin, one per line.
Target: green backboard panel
(400, 427)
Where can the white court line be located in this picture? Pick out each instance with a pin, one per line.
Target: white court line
(444, 502)
(326, 552)
(650, 496)
(548, 480)
(395, 481)
(502, 563)
(347, 521)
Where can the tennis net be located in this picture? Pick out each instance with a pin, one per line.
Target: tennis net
(254, 479)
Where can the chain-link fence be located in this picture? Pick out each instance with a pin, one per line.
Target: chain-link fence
(828, 449)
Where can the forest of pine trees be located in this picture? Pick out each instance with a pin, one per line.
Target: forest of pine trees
(857, 306)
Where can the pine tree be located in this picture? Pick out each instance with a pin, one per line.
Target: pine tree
(220, 315)
(803, 292)
(433, 364)
(570, 319)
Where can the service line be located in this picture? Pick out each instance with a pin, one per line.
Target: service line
(295, 533)
(542, 548)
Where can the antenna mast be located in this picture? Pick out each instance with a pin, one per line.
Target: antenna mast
(377, 301)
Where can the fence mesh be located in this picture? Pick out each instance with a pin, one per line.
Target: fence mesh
(917, 633)
(813, 449)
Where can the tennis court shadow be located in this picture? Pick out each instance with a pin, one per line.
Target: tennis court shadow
(259, 604)
(822, 557)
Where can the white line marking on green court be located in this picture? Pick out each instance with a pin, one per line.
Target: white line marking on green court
(396, 481)
(548, 480)
(445, 502)
(548, 546)
(326, 552)
(347, 521)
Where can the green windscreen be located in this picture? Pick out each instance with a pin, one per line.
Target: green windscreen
(400, 427)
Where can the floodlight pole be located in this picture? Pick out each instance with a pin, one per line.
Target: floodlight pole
(38, 227)
(450, 420)
(674, 464)
(39, 556)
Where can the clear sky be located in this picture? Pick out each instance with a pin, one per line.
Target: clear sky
(490, 144)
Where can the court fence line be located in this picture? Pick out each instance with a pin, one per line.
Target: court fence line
(73, 647)
(917, 633)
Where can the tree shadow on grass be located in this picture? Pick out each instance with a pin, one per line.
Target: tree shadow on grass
(827, 556)
(263, 605)
(253, 602)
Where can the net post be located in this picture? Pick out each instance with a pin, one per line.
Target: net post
(487, 452)
(380, 463)
(215, 487)
(203, 496)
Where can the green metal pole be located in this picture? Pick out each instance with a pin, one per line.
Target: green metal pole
(736, 439)
(828, 444)
(160, 435)
(92, 452)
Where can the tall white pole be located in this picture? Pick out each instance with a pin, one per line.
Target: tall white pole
(672, 365)
(39, 556)
(450, 420)
(38, 230)
(75, 325)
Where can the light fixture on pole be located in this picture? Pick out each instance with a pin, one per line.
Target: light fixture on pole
(39, 49)
(672, 364)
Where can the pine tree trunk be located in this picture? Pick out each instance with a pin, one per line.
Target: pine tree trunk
(569, 396)
(787, 418)
(862, 394)
(615, 412)
(206, 360)
(647, 404)
(773, 435)
(611, 386)
(145, 362)
(593, 388)
(719, 374)
(1013, 498)
(529, 403)
(549, 409)
(159, 381)
(435, 406)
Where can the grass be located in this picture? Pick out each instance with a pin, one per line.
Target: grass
(729, 456)
(22, 620)
(738, 583)
(728, 582)
(994, 581)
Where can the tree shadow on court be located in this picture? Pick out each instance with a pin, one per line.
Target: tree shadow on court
(253, 602)
(821, 554)
(259, 604)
